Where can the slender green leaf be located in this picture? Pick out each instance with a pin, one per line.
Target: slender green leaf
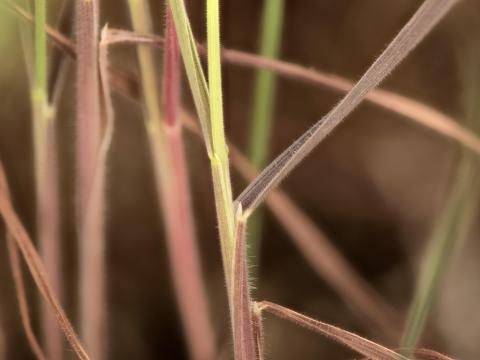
(263, 111)
(265, 83)
(210, 111)
(193, 68)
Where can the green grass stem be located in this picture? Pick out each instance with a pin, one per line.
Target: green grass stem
(263, 110)
(455, 219)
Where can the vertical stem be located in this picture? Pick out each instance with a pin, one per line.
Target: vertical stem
(41, 46)
(244, 340)
(208, 102)
(263, 109)
(46, 180)
(90, 198)
(49, 239)
(182, 240)
(219, 156)
(265, 84)
(232, 224)
(167, 151)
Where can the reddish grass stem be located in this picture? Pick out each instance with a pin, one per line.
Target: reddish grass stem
(181, 239)
(48, 230)
(90, 202)
(243, 331)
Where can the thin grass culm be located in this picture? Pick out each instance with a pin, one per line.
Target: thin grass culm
(208, 101)
(90, 196)
(164, 132)
(263, 110)
(46, 174)
(455, 219)
(219, 155)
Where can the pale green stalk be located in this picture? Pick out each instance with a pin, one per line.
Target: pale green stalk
(45, 176)
(232, 225)
(454, 221)
(452, 227)
(219, 157)
(263, 108)
(265, 84)
(166, 147)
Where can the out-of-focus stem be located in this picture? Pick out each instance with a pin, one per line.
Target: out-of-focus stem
(46, 180)
(265, 84)
(167, 151)
(183, 244)
(90, 196)
(456, 216)
(262, 112)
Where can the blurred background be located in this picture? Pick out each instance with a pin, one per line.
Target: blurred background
(375, 187)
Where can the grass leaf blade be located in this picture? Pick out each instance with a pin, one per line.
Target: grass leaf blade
(357, 343)
(263, 110)
(425, 18)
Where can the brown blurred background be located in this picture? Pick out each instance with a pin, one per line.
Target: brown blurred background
(375, 186)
